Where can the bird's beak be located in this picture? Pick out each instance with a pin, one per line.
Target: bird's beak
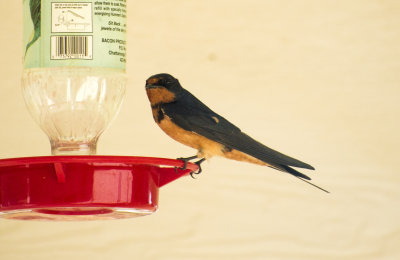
(150, 86)
(152, 83)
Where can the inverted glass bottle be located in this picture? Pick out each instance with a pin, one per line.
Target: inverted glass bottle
(74, 69)
(73, 106)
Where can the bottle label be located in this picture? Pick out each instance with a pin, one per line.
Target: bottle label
(59, 33)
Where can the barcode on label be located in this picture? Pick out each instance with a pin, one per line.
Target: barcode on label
(71, 47)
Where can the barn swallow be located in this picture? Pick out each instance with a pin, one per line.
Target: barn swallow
(187, 120)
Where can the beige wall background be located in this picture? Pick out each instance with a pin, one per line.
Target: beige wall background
(318, 80)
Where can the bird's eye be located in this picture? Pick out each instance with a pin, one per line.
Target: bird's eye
(166, 82)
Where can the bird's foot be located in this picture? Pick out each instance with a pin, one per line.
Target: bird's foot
(198, 163)
(185, 160)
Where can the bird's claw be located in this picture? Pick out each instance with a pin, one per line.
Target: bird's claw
(198, 163)
(186, 160)
(181, 168)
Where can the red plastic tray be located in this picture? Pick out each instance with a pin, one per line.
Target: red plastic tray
(84, 187)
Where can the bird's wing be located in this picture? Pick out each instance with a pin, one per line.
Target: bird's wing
(192, 115)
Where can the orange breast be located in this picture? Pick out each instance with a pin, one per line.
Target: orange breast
(159, 95)
(206, 147)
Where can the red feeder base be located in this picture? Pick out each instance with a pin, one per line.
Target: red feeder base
(84, 187)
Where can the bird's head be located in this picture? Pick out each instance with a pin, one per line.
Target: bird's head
(162, 88)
